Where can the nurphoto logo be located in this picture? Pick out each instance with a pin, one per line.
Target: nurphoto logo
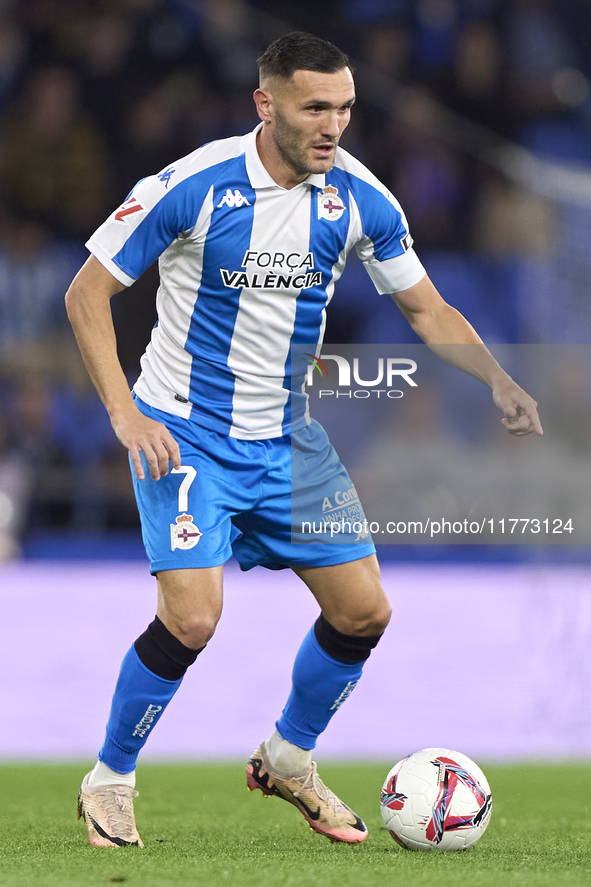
(389, 371)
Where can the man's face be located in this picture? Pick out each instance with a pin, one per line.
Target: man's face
(309, 113)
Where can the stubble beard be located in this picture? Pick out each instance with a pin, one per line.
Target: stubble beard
(288, 141)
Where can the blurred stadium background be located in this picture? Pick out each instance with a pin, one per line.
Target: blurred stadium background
(477, 115)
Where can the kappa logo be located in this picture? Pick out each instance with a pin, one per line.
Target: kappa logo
(233, 199)
(330, 205)
(184, 534)
(166, 175)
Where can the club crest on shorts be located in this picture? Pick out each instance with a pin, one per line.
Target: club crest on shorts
(330, 205)
(184, 534)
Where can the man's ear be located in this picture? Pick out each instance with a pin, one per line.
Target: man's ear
(263, 101)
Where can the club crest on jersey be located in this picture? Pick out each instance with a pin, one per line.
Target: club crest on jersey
(330, 205)
(184, 534)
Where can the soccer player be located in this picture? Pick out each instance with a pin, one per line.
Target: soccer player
(251, 233)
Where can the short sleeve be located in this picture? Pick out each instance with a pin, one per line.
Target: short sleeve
(148, 221)
(385, 246)
(396, 274)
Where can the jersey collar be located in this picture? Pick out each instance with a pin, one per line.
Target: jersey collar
(258, 175)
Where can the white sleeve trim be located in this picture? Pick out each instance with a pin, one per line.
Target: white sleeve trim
(99, 253)
(397, 274)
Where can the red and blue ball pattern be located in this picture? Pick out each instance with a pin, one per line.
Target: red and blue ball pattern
(436, 799)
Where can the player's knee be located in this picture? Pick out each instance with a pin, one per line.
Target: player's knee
(190, 604)
(195, 629)
(377, 621)
(371, 617)
(371, 622)
(163, 653)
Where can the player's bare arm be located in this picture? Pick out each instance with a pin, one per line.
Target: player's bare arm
(89, 311)
(441, 327)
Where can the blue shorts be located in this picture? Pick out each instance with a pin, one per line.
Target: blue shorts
(243, 497)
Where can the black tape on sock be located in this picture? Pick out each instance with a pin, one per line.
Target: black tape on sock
(348, 648)
(163, 653)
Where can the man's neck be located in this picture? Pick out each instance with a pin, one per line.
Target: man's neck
(278, 169)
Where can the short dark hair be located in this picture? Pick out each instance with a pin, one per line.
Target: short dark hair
(300, 51)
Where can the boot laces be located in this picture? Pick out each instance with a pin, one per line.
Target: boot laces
(119, 808)
(312, 782)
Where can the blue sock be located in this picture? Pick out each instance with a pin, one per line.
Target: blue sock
(138, 702)
(320, 685)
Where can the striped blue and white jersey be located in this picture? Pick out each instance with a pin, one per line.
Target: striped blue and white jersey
(247, 269)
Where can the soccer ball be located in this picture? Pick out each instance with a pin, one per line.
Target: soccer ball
(436, 799)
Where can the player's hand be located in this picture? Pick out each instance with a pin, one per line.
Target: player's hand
(520, 410)
(140, 434)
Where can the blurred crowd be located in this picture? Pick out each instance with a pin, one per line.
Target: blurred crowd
(96, 94)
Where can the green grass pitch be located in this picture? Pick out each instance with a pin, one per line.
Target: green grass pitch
(201, 827)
